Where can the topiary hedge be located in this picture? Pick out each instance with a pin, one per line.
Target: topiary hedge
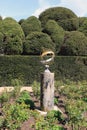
(11, 37)
(75, 44)
(36, 42)
(83, 26)
(31, 24)
(63, 16)
(28, 68)
(56, 33)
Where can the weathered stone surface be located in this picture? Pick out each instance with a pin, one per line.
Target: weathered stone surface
(47, 91)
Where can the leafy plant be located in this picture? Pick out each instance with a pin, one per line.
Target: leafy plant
(75, 104)
(25, 98)
(36, 88)
(35, 42)
(55, 101)
(4, 97)
(14, 115)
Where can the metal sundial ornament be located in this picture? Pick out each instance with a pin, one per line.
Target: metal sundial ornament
(46, 58)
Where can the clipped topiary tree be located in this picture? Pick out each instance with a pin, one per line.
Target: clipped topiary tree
(13, 46)
(31, 24)
(63, 16)
(75, 44)
(10, 27)
(21, 21)
(0, 17)
(36, 42)
(71, 24)
(1, 43)
(13, 36)
(56, 33)
(81, 20)
(83, 26)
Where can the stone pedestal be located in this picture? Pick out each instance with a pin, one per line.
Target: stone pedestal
(47, 91)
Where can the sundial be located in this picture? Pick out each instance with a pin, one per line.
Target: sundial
(47, 82)
(46, 58)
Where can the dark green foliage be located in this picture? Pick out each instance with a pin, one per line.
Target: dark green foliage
(0, 17)
(14, 115)
(75, 105)
(28, 68)
(1, 43)
(75, 44)
(56, 33)
(23, 68)
(69, 24)
(54, 114)
(4, 97)
(83, 26)
(59, 14)
(85, 99)
(25, 98)
(1, 37)
(13, 45)
(10, 27)
(12, 36)
(49, 122)
(21, 21)
(36, 89)
(31, 24)
(72, 68)
(81, 20)
(35, 42)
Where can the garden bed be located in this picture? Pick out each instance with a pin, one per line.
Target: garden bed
(21, 107)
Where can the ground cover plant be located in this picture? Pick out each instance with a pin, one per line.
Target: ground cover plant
(17, 107)
(74, 95)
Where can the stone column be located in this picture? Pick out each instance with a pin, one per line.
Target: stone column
(47, 91)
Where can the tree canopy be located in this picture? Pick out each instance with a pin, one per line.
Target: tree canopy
(36, 42)
(63, 16)
(75, 44)
(12, 36)
(57, 28)
(56, 33)
(31, 24)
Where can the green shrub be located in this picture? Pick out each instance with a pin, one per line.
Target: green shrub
(54, 115)
(56, 33)
(75, 44)
(81, 20)
(36, 88)
(47, 123)
(13, 36)
(4, 97)
(75, 105)
(21, 21)
(69, 24)
(59, 14)
(16, 83)
(14, 115)
(55, 101)
(25, 98)
(36, 42)
(83, 27)
(28, 69)
(10, 27)
(13, 45)
(31, 24)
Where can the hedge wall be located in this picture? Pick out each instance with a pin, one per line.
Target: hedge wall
(28, 68)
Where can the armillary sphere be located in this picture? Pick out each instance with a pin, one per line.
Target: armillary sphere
(47, 57)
